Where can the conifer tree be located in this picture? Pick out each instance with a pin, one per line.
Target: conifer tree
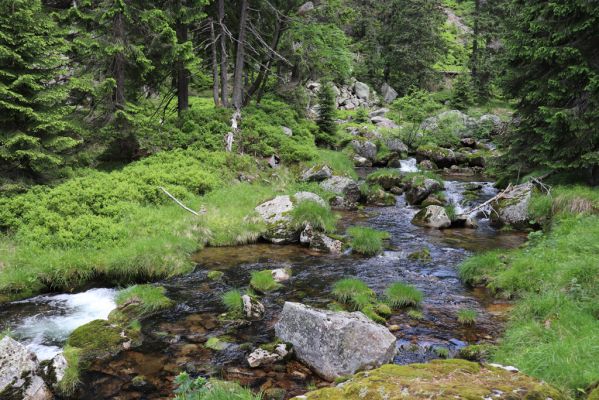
(553, 72)
(326, 109)
(34, 135)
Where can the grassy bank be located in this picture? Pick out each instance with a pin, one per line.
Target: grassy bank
(554, 331)
(119, 227)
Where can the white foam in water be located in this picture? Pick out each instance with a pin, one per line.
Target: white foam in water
(454, 193)
(408, 165)
(44, 333)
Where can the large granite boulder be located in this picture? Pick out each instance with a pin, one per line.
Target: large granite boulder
(317, 174)
(512, 208)
(389, 94)
(384, 122)
(335, 344)
(396, 145)
(439, 379)
(419, 190)
(19, 378)
(432, 217)
(276, 213)
(346, 189)
(361, 90)
(365, 149)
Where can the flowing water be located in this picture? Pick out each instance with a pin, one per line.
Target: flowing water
(174, 339)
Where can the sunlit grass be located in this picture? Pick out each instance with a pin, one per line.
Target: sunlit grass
(400, 295)
(367, 241)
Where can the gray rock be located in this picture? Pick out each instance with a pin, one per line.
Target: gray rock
(54, 371)
(18, 373)
(381, 112)
(335, 344)
(262, 357)
(343, 187)
(389, 94)
(317, 174)
(281, 274)
(287, 131)
(361, 90)
(313, 86)
(322, 242)
(365, 149)
(416, 194)
(306, 8)
(512, 209)
(252, 308)
(432, 217)
(360, 161)
(465, 124)
(396, 145)
(276, 215)
(308, 196)
(383, 122)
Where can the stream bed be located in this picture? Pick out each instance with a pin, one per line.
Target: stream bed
(174, 339)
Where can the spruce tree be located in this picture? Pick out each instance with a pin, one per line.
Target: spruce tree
(462, 95)
(34, 135)
(553, 72)
(326, 110)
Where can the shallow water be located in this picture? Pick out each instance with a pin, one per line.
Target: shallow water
(174, 339)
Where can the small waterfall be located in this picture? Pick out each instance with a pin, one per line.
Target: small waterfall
(409, 165)
(454, 194)
(56, 316)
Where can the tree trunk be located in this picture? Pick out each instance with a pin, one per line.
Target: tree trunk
(265, 67)
(475, 37)
(240, 58)
(594, 175)
(215, 88)
(119, 62)
(224, 80)
(182, 72)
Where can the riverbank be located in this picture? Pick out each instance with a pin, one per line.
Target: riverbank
(554, 330)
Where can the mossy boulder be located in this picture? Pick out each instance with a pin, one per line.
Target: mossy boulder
(98, 339)
(512, 208)
(386, 178)
(440, 379)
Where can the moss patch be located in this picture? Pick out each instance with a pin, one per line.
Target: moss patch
(447, 379)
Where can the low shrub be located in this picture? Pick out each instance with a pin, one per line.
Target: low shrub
(367, 241)
(400, 295)
(202, 389)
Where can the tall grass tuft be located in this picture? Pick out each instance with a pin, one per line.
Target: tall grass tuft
(233, 301)
(467, 317)
(318, 216)
(400, 295)
(263, 281)
(367, 241)
(149, 298)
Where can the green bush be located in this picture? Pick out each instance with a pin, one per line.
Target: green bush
(339, 162)
(400, 295)
(318, 216)
(263, 281)
(367, 241)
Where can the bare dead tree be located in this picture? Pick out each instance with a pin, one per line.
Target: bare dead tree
(215, 85)
(224, 80)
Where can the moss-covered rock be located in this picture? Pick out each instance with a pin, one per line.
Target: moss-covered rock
(446, 379)
(97, 339)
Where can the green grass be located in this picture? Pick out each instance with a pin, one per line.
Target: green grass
(150, 298)
(232, 300)
(353, 291)
(202, 389)
(467, 317)
(215, 275)
(418, 178)
(554, 330)
(71, 378)
(339, 162)
(367, 241)
(263, 281)
(383, 173)
(400, 295)
(318, 216)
